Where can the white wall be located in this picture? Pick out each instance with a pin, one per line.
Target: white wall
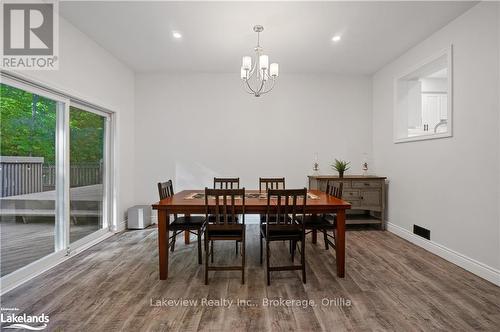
(434, 84)
(193, 127)
(89, 72)
(450, 186)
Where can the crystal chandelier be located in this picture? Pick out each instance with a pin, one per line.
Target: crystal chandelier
(260, 78)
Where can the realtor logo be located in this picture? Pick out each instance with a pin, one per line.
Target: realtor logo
(30, 35)
(10, 320)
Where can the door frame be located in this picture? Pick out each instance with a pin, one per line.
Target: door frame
(63, 249)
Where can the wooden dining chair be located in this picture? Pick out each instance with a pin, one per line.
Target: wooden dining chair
(327, 222)
(192, 224)
(227, 183)
(287, 206)
(223, 224)
(270, 183)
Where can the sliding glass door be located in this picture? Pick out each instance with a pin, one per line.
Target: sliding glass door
(54, 176)
(87, 171)
(27, 194)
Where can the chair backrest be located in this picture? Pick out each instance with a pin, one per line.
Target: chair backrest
(227, 183)
(284, 206)
(165, 189)
(334, 190)
(228, 203)
(271, 183)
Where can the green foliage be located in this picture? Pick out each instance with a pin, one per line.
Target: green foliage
(341, 165)
(28, 128)
(86, 136)
(27, 124)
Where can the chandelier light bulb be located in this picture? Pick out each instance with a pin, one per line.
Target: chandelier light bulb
(264, 61)
(247, 63)
(243, 73)
(274, 70)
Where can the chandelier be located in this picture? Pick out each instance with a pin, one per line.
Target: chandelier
(261, 77)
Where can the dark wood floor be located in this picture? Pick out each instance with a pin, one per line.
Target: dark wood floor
(392, 285)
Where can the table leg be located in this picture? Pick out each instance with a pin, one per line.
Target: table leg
(186, 233)
(340, 243)
(314, 233)
(163, 224)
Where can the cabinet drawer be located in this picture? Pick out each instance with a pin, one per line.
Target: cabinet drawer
(345, 183)
(322, 184)
(366, 184)
(350, 194)
(371, 197)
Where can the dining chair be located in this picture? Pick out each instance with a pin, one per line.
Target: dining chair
(227, 183)
(326, 222)
(223, 224)
(192, 224)
(287, 206)
(270, 183)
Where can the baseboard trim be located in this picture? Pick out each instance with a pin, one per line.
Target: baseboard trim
(480, 269)
(28, 272)
(120, 227)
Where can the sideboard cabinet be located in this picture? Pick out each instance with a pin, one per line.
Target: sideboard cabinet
(365, 193)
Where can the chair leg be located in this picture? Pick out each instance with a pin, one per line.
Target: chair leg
(268, 273)
(325, 238)
(212, 251)
(260, 236)
(206, 259)
(292, 247)
(303, 260)
(236, 243)
(173, 241)
(199, 246)
(243, 259)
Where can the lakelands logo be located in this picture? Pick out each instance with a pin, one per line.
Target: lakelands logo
(30, 35)
(24, 321)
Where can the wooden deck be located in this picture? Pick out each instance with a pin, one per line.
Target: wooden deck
(392, 285)
(33, 238)
(86, 193)
(22, 244)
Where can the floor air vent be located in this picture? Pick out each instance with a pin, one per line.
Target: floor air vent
(423, 232)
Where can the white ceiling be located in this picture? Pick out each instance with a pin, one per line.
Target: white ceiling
(297, 35)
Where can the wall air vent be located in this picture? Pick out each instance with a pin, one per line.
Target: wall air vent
(423, 232)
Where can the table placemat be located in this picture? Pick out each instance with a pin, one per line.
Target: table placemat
(248, 195)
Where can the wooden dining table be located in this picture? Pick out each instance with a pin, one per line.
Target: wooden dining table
(188, 202)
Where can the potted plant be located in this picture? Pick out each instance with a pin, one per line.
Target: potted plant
(341, 166)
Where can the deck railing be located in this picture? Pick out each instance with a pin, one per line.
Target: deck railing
(20, 175)
(82, 174)
(26, 175)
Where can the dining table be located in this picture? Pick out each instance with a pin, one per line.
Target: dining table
(193, 202)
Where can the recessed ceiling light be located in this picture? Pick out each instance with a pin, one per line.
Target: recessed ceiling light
(336, 38)
(176, 34)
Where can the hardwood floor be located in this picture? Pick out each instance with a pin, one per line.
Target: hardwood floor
(391, 284)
